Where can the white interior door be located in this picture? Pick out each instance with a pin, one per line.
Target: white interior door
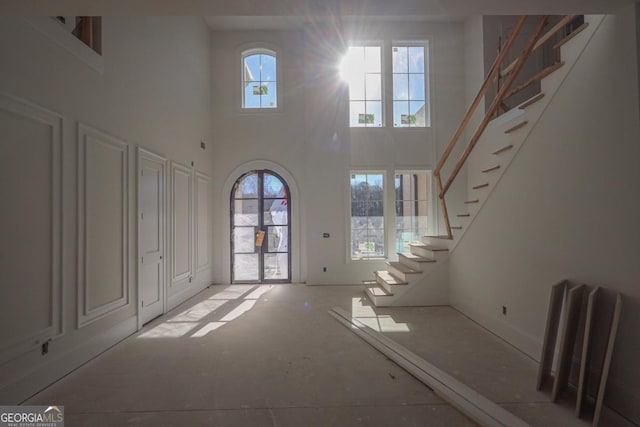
(151, 235)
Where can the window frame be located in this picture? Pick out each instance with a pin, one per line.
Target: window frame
(248, 49)
(429, 198)
(385, 203)
(387, 96)
(383, 83)
(427, 80)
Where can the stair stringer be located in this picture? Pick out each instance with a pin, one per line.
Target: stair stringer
(494, 137)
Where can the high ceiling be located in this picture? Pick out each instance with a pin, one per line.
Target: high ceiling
(282, 14)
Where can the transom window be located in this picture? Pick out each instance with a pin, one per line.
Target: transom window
(361, 68)
(259, 79)
(409, 94)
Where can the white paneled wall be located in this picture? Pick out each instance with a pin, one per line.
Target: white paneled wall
(30, 226)
(103, 227)
(202, 258)
(68, 187)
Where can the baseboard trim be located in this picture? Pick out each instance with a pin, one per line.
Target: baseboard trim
(46, 373)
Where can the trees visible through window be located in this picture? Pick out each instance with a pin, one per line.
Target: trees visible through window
(412, 190)
(361, 68)
(367, 215)
(409, 93)
(259, 79)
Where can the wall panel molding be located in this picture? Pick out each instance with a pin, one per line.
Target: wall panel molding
(103, 227)
(181, 211)
(51, 186)
(202, 258)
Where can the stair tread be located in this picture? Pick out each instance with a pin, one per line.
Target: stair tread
(444, 236)
(491, 169)
(516, 127)
(402, 267)
(531, 101)
(377, 291)
(572, 35)
(463, 215)
(456, 227)
(429, 247)
(389, 278)
(468, 202)
(503, 149)
(416, 258)
(479, 186)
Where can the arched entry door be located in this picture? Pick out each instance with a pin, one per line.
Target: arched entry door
(260, 228)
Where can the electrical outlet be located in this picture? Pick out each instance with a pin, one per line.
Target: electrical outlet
(504, 310)
(324, 269)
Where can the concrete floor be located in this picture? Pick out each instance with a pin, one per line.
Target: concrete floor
(242, 355)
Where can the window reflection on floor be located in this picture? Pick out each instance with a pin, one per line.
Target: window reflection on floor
(362, 310)
(210, 314)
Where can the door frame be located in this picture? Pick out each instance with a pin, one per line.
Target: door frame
(146, 154)
(297, 249)
(261, 225)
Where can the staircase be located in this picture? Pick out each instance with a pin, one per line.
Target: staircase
(420, 277)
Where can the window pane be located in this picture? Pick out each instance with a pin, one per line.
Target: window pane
(276, 266)
(251, 99)
(245, 212)
(244, 240)
(373, 63)
(416, 59)
(373, 87)
(401, 113)
(374, 113)
(245, 267)
(247, 188)
(417, 109)
(252, 68)
(277, 239)
(268, 68)
(273, 187)
(276, 211)
(356, 88)
(416, 87)
(399, 55)
(357, 114)
(400, 87)
(269, 95)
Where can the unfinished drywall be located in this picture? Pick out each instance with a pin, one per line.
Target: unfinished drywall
(70, 132)
(309, 136)
(567, 209)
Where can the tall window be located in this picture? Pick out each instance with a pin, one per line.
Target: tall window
(361, 68)
(412, 190)
(259, 79)
(410, 108)
(367, 215)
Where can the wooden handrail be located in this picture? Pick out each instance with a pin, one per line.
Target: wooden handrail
(495, 69)
(496, 103)
(564, 21)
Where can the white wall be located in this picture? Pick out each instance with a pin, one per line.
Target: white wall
(567, 208)
(310, 137)
(154, 92)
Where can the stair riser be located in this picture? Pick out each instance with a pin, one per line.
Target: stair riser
(437, 255)
(435, 241)
(384, 284)
(418, 266)
(378, 301)
(407, 277)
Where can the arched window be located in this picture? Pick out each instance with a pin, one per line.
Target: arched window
(259, 79)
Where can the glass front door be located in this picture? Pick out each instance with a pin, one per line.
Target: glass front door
(260, 229)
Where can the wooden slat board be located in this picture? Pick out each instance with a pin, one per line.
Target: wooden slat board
(607, 359)
(551, 332)
(586, 350)
(570, 322)
(471, 403)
